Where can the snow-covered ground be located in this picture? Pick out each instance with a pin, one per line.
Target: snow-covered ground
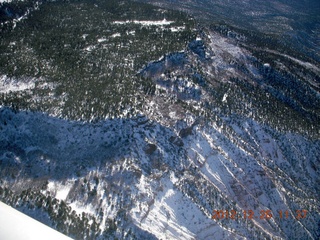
(167, 183)
(173, 215)
(14, 85)
(245, 163)
(146, 23)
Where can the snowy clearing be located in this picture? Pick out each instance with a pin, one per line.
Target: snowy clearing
(14, 85)
(146, 23)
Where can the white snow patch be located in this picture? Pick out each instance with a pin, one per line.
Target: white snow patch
(146, 23)
(133, 32)
(102, 40)
(15, 85)
(59, 190)
(90, 48)
(177, 29)
(173, 115)
(116, 35)
(79, 208)
(225, 54)
(224, 99)
(84, 36)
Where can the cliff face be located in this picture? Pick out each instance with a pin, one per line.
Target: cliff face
(218, 138)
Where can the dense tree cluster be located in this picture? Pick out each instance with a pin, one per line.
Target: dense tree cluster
(89, 59)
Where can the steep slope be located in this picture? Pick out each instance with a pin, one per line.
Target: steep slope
(102, 141)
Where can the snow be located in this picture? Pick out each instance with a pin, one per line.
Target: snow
(224, 99)
(307, 65)
(172, 215)
(84, 36)
(177, 29)
(229, 166)
(116, 35)
(146, 23)
(14, 85)
(225, 55)
(166, 211)
(224, 158)
(90, 48)
(133, 33)
(79, 208)
(103, 39)
(60, 191)
(15, 225)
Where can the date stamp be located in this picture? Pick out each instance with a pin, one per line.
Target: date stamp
(262, 214)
